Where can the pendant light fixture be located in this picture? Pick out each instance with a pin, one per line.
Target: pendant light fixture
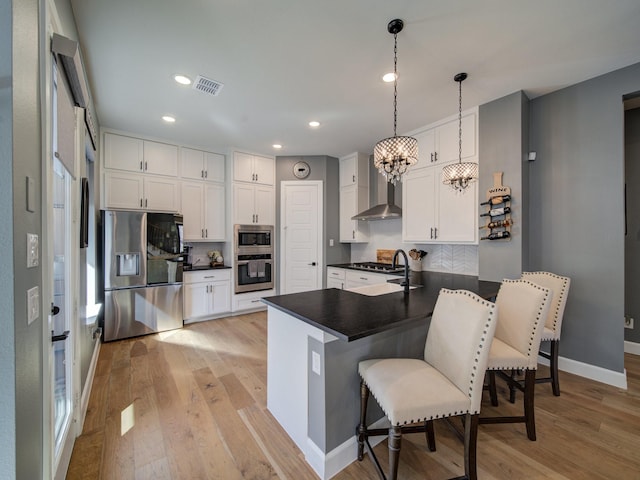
(394, 155)
(460, 175)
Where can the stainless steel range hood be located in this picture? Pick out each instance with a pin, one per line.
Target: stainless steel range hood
(386, 207)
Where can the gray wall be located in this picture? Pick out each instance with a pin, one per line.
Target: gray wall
(576, 209)
(503, 141)
(27, 161)
(325, 169)
(7, 300)
(632, 237)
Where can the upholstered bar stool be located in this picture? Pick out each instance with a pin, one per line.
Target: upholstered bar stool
(551, 333)
(447, 382)
(522, 310)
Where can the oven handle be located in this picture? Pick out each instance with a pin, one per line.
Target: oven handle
(245, 262)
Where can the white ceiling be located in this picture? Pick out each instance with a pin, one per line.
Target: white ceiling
(286, 62)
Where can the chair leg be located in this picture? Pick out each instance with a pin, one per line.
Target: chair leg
(395, 437)
(492, 388)
(430, 434)
(553, 366)
(529, 411)
(512, 388)
(362, 428)
(470, 446)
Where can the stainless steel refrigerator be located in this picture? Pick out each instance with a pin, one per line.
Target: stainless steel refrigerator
(142, 273)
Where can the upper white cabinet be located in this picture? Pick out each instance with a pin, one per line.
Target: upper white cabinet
(253, 204)
(354, 197)
(199, 165)
(431, 211)
(254, 168)
(133, 191)
(439, 144)
(137, 155)
(203, 210)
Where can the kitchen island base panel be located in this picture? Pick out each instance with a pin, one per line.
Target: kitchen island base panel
(320, 411)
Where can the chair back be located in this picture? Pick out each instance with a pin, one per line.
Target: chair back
(522, 310)
(559, 287)
(459, 339)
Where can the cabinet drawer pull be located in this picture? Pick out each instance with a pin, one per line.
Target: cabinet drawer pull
(364, 278)
(201, 173)
(140, 203)
(206, 233)
(145, 166)
(209, 276)
(146, 202)
(140, 165)
(431, 157)
(354, 179)
(206, 174)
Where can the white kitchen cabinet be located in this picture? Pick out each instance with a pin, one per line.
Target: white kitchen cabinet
(353, 200)
(251, 300)
(254, 168)
(199, 165)
(140, 192)
(434, 213)
(431, 211)
(354, 170)
(439, 143)
(358, 278)
(354, 197)
(207, 293)
(335, 277)
(253, 204)
(203, 210)
(136, 155)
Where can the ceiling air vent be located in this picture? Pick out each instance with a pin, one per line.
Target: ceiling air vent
(207, 85)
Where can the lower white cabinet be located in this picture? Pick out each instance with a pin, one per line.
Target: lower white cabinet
(251, 300)
(207, 293)
(335, 277)
(357, 278)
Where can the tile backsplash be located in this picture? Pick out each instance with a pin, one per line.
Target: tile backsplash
(199, 252)
(462, 259)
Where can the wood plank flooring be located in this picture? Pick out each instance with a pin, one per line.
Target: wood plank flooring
(191, 404)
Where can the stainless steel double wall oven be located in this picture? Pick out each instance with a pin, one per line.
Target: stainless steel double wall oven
(253, 257)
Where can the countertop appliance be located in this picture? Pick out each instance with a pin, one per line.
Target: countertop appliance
(143, 267)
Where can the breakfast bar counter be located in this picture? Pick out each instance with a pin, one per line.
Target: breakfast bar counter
(315, 341)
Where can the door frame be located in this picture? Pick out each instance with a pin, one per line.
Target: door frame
(319, 184)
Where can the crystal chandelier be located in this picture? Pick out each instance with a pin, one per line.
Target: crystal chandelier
(394, 155)
(460, 175)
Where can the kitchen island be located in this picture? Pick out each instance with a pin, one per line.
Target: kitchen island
(315, 341)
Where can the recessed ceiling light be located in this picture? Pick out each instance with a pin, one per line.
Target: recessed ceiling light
(389, 77)
(314, 124)
(169, 118)
(277, 145)
(182, 79)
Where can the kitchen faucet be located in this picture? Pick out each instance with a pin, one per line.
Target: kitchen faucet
(405, 282)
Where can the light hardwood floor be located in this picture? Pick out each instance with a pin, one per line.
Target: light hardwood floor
(191, 404)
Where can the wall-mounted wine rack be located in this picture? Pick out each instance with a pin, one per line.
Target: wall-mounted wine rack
(498, 215)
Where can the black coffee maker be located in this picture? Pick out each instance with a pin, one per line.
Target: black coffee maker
(186, 257)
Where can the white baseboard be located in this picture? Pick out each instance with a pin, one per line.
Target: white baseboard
(632, 347)
(592, 372)
(330, 464)
(86, 391)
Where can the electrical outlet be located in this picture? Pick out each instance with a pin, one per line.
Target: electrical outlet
(33, 250)
(628, 321)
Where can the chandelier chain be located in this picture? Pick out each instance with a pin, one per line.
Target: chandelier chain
(395, 83)
(460, 121)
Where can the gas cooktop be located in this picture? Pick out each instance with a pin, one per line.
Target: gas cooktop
(376, 266)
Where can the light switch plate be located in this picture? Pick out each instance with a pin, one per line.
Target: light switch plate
(315, 362)
(33, 250)
(33, 304)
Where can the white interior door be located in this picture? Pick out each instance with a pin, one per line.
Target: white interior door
(301, 236)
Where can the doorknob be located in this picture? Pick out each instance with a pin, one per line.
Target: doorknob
(313, 264)
(59, 338)
(55, 309)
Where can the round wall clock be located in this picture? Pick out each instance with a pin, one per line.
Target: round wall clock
(301, 170)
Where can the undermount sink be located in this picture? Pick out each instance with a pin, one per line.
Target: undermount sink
(379, 289)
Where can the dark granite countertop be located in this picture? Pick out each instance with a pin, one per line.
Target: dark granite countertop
(350, 316)
(199, 268)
